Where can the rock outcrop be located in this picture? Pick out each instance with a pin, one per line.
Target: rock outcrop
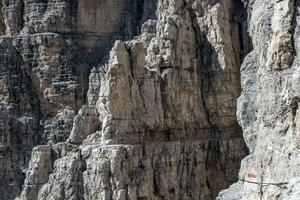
(137, 99)
(268, 106)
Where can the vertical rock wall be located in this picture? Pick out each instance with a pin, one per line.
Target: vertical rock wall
(154, 118)
(268, 106)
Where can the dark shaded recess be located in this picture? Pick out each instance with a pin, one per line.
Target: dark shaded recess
(73, 10)
(138, 12)
(21, 87)
(295, 105)
(139, 15)
(80, 180)
(18, 20)
(217, 157)
(2, 24)
(240, 19)
(295, 25)
(19, 138)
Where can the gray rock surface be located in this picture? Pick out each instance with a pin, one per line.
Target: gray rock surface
(132, 99)
(268, 106)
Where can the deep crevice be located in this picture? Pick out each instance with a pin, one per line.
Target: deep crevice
(294, 26)
(240, 19)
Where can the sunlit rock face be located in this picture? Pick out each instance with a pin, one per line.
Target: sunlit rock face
(268, 106)
(120, 99)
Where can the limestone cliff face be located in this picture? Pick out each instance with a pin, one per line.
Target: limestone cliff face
(137, 99)
(268, 106)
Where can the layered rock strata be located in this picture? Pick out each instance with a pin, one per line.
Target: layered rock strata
(153, 119)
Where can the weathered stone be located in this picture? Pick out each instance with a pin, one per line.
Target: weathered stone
(131, 99)
(38, 172)
(268, 106)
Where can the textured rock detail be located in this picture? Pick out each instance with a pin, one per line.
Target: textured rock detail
(40, 167)
(45, 61)
(154, 118)
(268, 108)
(280, 53)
